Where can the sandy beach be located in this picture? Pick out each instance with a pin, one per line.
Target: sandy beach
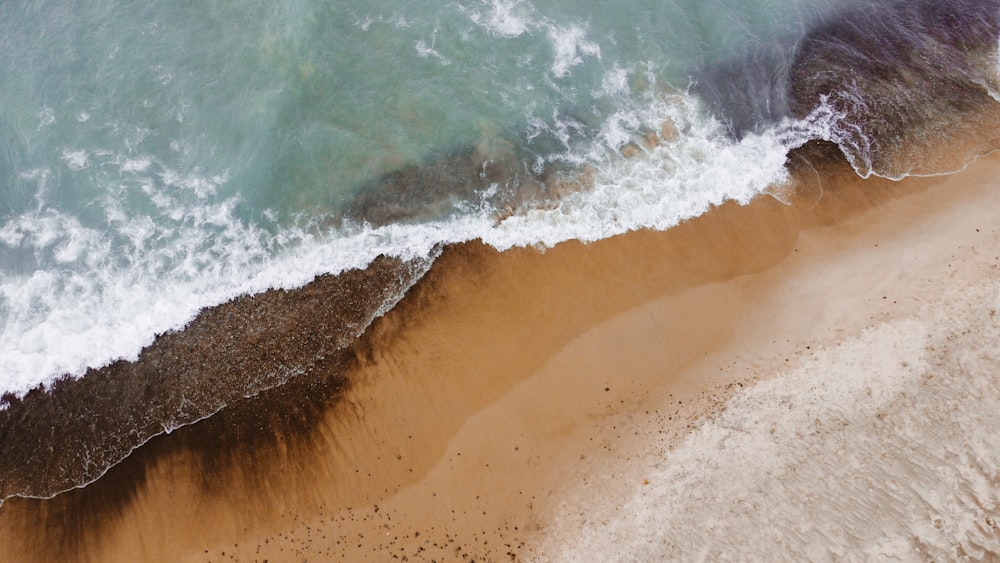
(547, 404)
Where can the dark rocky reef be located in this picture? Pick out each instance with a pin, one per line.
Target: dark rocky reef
(70, 434)
(903, 78)
(493, 175)
(898, 80)
(749, 94)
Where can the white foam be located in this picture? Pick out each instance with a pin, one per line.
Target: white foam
(75, 160)
(116, 289)
(672, 182)
(570, 46)
(513, 18)
(112, 304)
(503, 18)
(140, 164)
(38, 230)
(428, 51)
(46, 116)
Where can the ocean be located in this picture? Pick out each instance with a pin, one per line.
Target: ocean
(203, 201)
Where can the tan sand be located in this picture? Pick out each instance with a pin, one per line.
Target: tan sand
(505, 382)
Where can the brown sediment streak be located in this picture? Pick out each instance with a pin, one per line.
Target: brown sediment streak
(351, 441)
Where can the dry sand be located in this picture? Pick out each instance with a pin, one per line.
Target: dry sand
(515, 404)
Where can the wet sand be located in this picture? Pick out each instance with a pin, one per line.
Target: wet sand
(507, 387)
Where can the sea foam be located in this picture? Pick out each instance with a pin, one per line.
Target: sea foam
(141, 278)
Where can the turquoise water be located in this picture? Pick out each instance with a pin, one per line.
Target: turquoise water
(297, 105)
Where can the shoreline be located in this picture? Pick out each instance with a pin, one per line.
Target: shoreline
(482, 389)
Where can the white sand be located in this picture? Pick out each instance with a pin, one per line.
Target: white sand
(878, 441)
